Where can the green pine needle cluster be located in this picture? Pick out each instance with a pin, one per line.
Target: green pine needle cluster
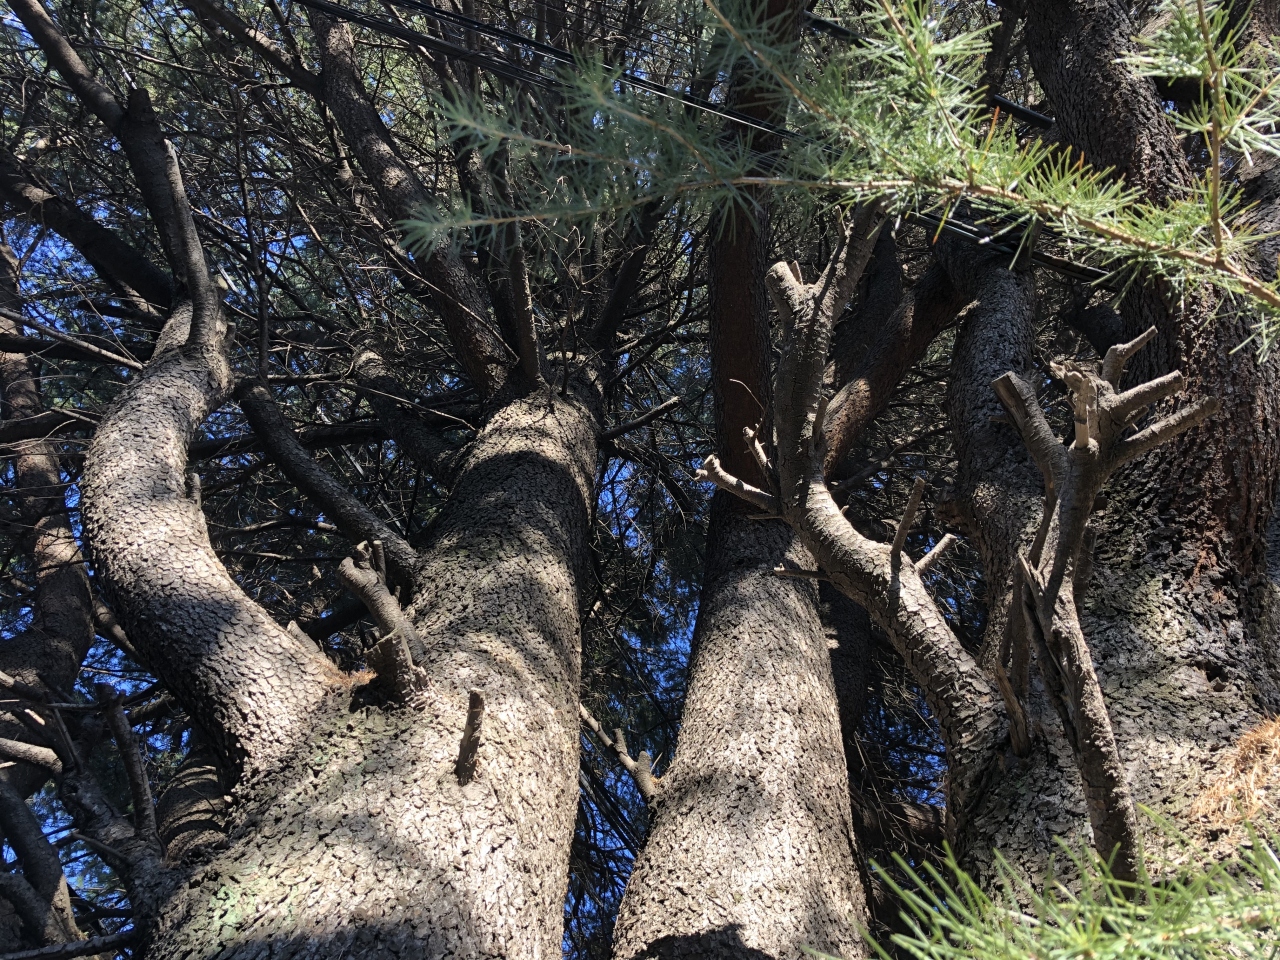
(1221, 912)
(897, 118)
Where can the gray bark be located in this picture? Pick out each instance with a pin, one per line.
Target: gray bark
(365, 843)
(1178, 621)
(998, 490)
(752, 851)
(249, 685)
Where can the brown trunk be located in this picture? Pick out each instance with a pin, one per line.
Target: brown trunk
(366, 843)
(61, 632)
(47, 656)
(752, 851)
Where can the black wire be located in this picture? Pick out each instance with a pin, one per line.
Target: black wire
(521, 74)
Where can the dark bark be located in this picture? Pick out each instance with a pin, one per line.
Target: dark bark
(998, 490)
(458, 298)
(356, 521)
(46, 656)
(882, 347)
(38, 891)
(1175, 617)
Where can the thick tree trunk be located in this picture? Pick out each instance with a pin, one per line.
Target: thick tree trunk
(752, 852)
(249, 684)
(1178, 620)
(366, 843)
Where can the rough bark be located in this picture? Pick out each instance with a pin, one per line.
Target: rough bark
(998, 490)
(365, 843)
(249, 684)
(1174, 615)
(752, 852)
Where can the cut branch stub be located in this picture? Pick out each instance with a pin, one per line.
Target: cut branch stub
(468, 749)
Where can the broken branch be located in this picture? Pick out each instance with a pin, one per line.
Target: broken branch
(641, 772)
(934, 555)
(908, 518)
(465, 768)
(713, 471)
(653, 413)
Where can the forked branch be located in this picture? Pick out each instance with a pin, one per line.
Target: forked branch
(640, 768)
(392, 657)
(1074, 477)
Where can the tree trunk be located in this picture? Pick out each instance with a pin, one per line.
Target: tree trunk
(752, 852)
(1179, 620)
(366, 843)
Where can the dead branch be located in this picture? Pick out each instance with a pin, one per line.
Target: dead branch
(713, 471)
(653, 413)
(392, 658)
(77, 948)
(144, 810)
(936, 553)
(641, 770)
(1074, 477)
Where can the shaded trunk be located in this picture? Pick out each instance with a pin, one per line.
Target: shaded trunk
(1179, 621)
(365, 843)
(998, 489)
(249, 684)
(752, 852)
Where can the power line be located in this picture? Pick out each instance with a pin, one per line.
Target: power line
(518, 73)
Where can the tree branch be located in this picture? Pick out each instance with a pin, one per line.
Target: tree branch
(356, 521)
(392, 659)
(641, 771)
(653, 413)
(144, 810)
(711, 470)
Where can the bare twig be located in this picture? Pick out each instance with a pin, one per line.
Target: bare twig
(80, 345)
(641, 770)
(653, 413)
